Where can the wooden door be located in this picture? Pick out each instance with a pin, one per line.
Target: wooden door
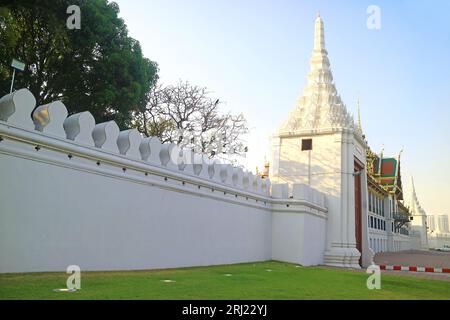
(358, 209)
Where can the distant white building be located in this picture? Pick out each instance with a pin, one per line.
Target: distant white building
(442, 223)
(438, 231)
(439, 237)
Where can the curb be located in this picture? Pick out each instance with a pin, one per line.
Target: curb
(414, 269)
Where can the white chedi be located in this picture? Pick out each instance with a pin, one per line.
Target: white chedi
(320, 106)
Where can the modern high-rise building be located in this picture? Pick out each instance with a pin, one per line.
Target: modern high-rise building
(442, 223)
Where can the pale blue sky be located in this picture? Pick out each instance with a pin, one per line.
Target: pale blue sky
(254, 55)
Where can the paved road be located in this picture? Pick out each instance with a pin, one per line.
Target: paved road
(416, 258)
(421, 275)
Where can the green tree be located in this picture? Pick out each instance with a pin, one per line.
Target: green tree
(98, 67)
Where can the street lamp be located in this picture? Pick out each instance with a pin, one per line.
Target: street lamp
(16, 64)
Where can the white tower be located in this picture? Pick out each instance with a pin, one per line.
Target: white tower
(419, 222)
(321, 146)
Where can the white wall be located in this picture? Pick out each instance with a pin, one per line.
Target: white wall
(310, 167)
(437, 241)
(320, 168)
(52, 217)
(404, 242)
(298, 238)
(118, 205)
(328, 167)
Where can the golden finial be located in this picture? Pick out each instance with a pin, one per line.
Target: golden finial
(318, 14)
(400, 153)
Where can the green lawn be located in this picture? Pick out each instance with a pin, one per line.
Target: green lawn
(247, 281)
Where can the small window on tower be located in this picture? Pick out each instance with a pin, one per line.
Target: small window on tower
(306, 144)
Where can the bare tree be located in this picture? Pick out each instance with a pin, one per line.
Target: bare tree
(188, 116)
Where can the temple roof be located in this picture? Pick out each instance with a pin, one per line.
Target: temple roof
(319, 106)
(386, 172)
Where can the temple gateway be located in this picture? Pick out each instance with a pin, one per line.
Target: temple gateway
(320, 145)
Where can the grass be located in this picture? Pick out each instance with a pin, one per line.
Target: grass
(247, 281)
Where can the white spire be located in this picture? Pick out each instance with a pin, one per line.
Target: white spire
(419, 222)
(414, 205)
(319, 39)
(413, 196)
(320, 105)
